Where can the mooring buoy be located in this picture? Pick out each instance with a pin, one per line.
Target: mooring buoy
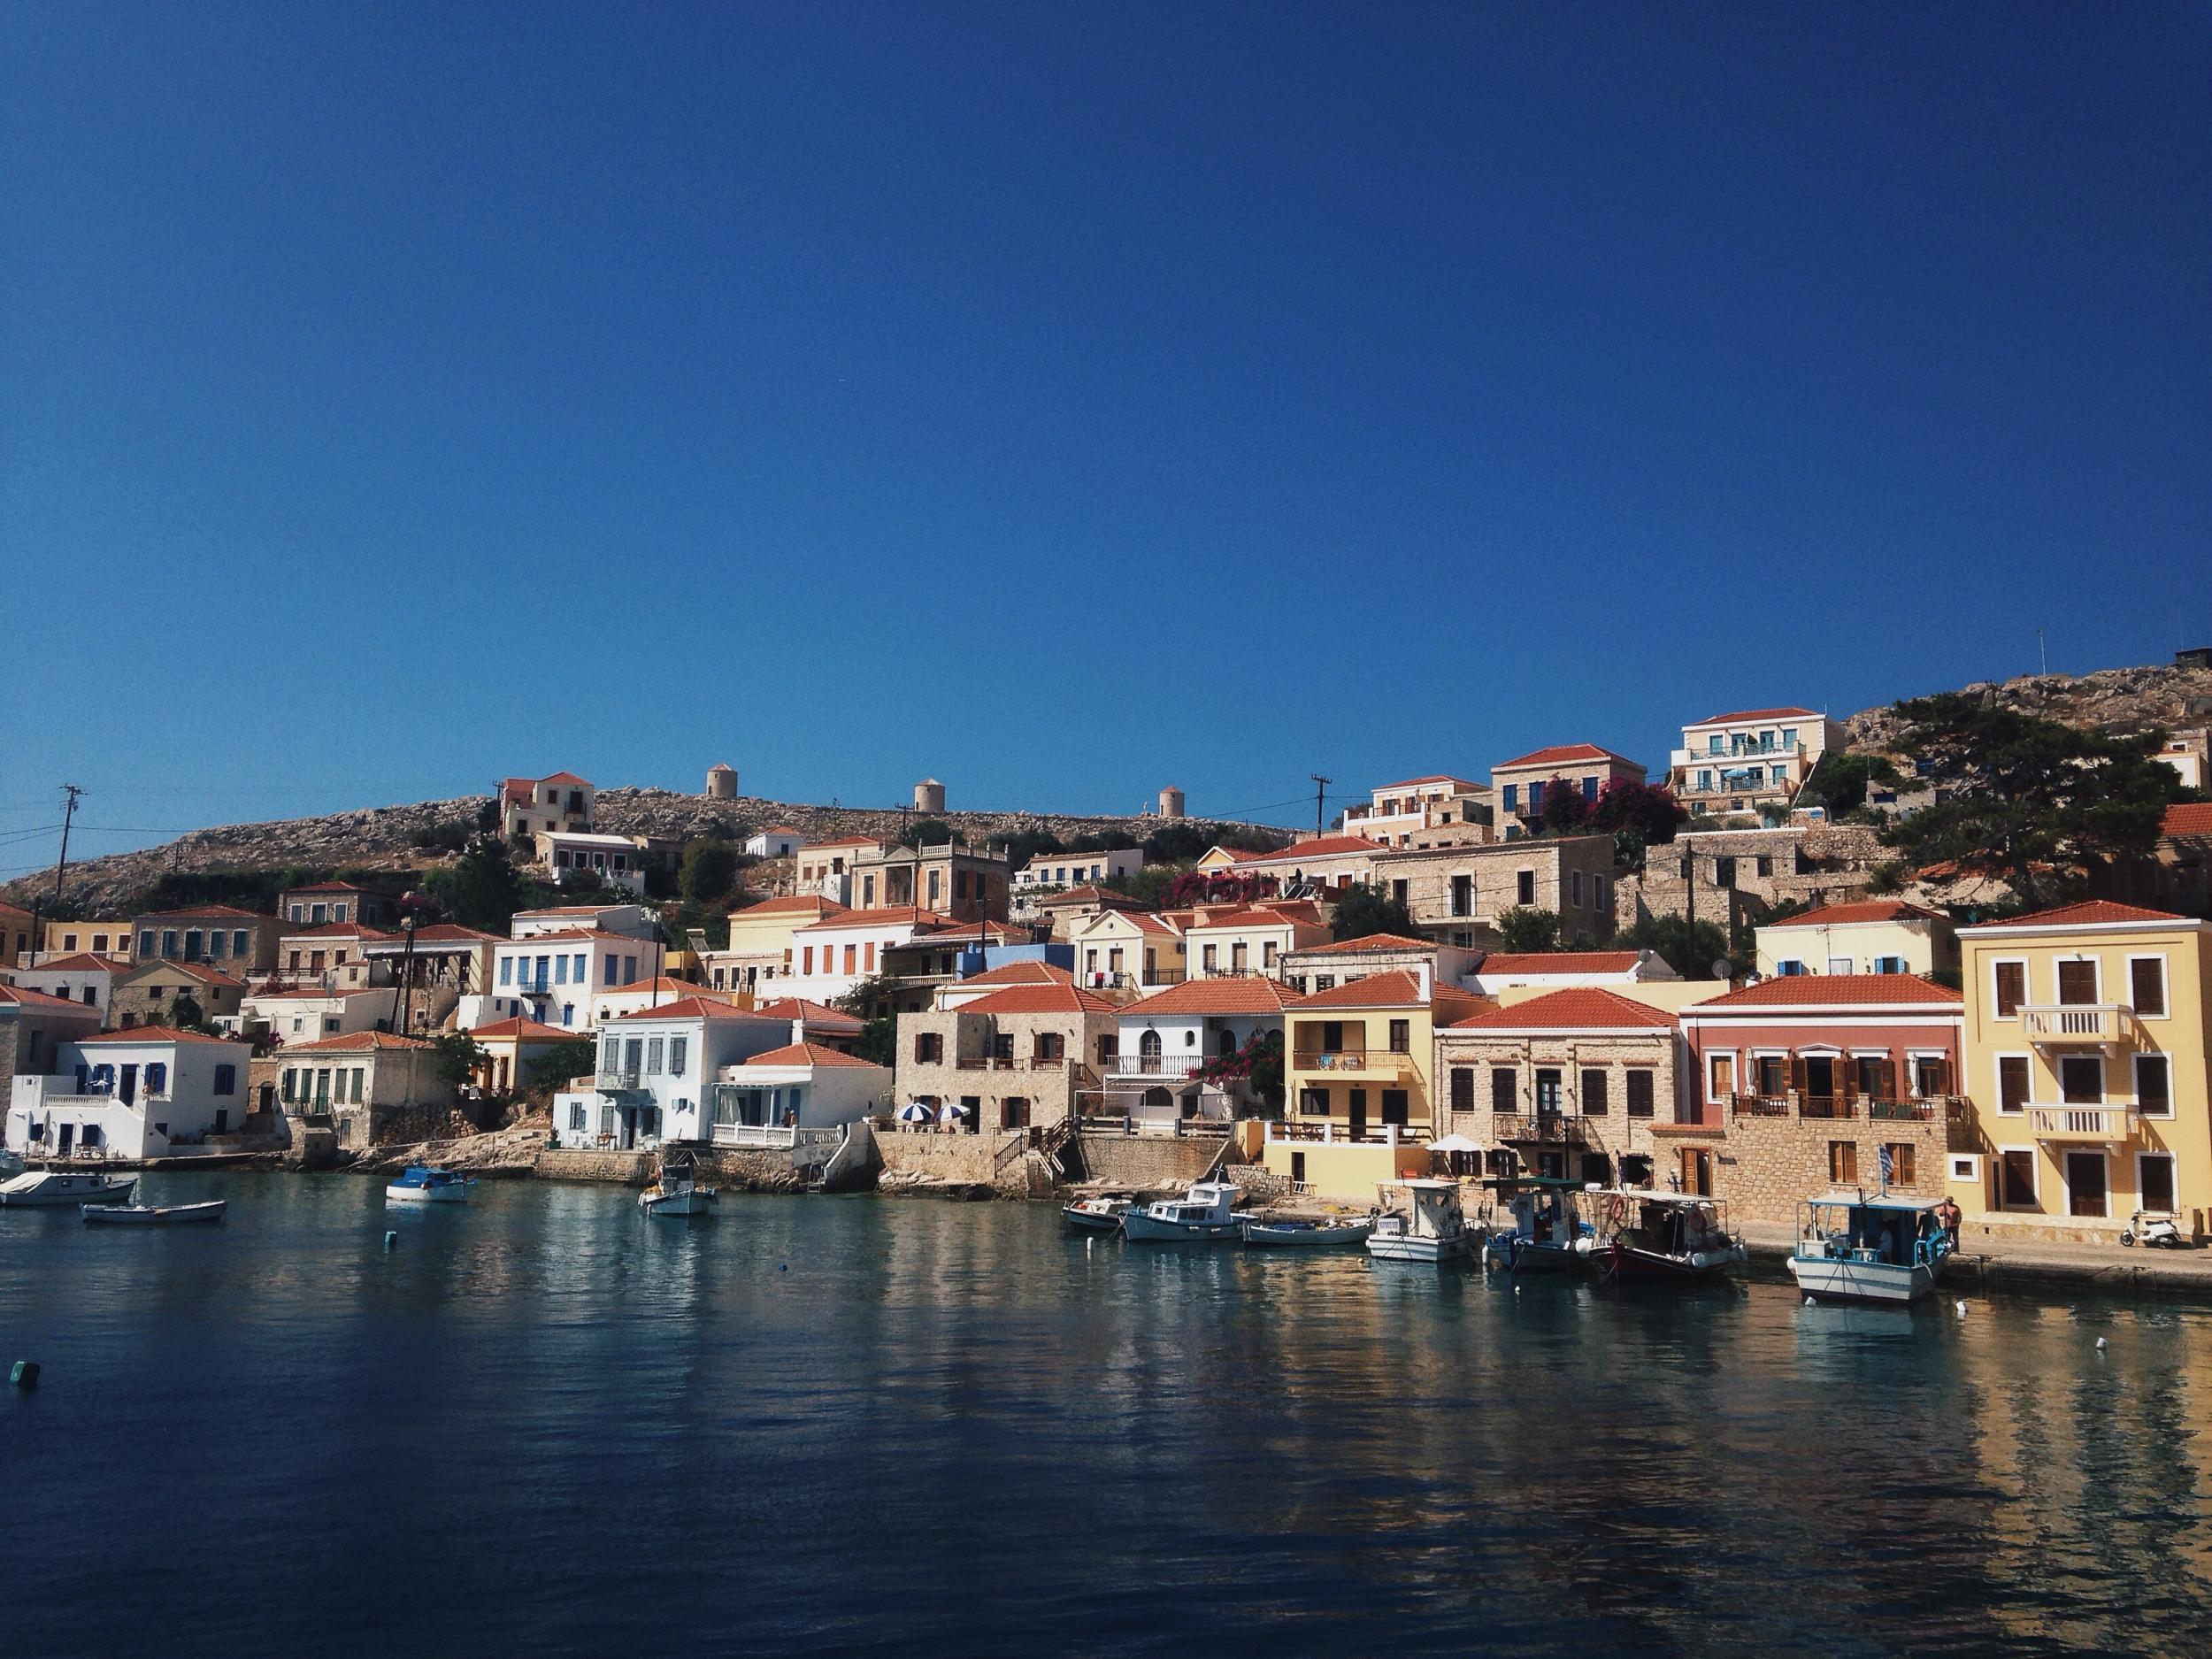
(24, 1373)
(391, 1240)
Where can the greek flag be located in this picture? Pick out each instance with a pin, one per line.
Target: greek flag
(1889, 1167)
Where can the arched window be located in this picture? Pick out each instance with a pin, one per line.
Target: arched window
(1149, 1045)
(1227, 1045)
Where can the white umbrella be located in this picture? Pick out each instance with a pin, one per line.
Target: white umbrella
(915, 1113)
(950, 1113)
(1455, 1143)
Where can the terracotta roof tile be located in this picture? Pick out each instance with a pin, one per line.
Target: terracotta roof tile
(1321, 847)
(1561, 962)
(134, 972)
(1367, 942)
(1234, 993)
(1561, 755)
(1438, 777)
(39, 1002)
(1398, 988)
(2188, 817)
(1021, 974)
(2092, 911)
(691, 1008)
(1826, 990)
(808, 1054)
(152, 1033)
(337, 930)
(1758, 714)
(526, 1030)
(813, 1013)
(82, 962)
(904, 916)
(1579, 1007)
(205, 909)
(1040, 999)
(808, 904)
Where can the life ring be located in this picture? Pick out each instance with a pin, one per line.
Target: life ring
(1615, 1212)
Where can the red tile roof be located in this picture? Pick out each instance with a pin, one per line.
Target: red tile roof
(1561, 754)
(152, 1033)
(1236, 994)
(200, 971)
(380, 1042)
(1867, 910)
(1089, 893)
(1322, 846)
(337, 930)
(1375, 942)
(810, 903)
(1823, 990)
(527, 1030)
(311, 993)
(1579, 1007)
(441, 934)
(39, 1002)
(808, 1054)
(2188, 817)
(327, 887)
(2093, 910)
(204, 910)
(844, 841)
(1561, 962)
(904, 916)
(693, 1008)
(568, 778)
(1398, 988)
(83, 962)
(647, 987)
(813, 1013)
(1022, 973)
(1258, 916)
(1040, 999)
(569, 935)
(573, 909)
(1760, 714)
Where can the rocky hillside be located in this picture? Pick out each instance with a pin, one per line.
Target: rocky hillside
(2111, 700)
(384, 838)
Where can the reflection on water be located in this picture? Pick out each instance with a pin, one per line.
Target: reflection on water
(546, 1424)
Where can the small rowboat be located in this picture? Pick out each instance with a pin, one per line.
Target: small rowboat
(1309, 1235)
(152, 1215)
(1096, 1214)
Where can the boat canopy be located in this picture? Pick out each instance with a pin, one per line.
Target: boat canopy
(1872, 1201)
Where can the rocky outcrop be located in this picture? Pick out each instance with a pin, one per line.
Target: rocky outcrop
(2112, 700)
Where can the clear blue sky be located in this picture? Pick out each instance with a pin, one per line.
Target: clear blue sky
(1069, 400)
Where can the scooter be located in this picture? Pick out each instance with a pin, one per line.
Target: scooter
(2153, 1226)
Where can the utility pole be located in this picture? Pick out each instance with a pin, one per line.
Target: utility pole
(71, 795)
(1320, 795)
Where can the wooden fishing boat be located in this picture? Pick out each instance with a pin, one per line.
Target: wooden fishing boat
(66, 1186)
(1423, 1222)
(153, 1215)
(1668, 1237)
(1884, 1249)
(1096, 1214)
(1308, 1235)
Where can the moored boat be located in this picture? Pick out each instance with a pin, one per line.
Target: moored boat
(1676, 1237)
(1308, 1235)
(1546, 1232)
(1423, 1222)
(421, 1184)
(1096, 1214)
(154, 1214)
(66, 1186)
(1885, 1248)
(676, 1191)
(1201, 1216)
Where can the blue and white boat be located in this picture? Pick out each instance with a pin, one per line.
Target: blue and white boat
(1201, 1216)
(421, 1184)
(1884, 1249)
(1545, 1232)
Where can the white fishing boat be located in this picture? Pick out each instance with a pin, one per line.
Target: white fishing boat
(1669, 1237)
(154, 1214)
(1201, 1216)
(676, 1191)
(1545, 1232)
(1096, 1214)
(1308, 1235)
(1423, 1222)
(1884, 1249)
(419, 1183)
(66, 1187)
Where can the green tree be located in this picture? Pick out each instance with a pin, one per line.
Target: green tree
(878, 1040)
(2032, 802)
(927, 832)
(1176, 844)
(709, 871)
(454, 1058)
(185, 1013)
(1149, 884)
(1028, 844)
(1364, 909)
(1691, 955)
(1841, 778)
(577, 1057)
(480, 890)
(1526, 929)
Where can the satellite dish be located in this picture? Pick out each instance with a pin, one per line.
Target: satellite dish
(1722, 967)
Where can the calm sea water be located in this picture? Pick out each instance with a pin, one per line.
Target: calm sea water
(544, 1424)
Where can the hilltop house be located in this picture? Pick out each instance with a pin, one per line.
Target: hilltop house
(563, 802)
(1403, 811)
(1519, 784)
(1456, 894)
(238, 941)
(782, 842)
(324, 901)
(1750, 759)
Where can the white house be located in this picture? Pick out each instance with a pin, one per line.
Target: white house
(83, 978)
(1401, 810)
(570, 854)
(800, 1086)
(133, 1093)
(832, 956)
(826, 868)
(305, 1013)
(654, 1070)
(1168, 1040)
(782, 842)
(528, 805)
(1750, 758)
(629, 919)
(552, 977)
(1069, 870)
(1554, 969)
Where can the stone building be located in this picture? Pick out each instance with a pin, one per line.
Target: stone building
(1015, 1058)
(1807, 1083)
(362, 1081)
(1571, 1083)
(1456, 894)
(1744, 873)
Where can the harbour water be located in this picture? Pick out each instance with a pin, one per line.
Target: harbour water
(545, 1425)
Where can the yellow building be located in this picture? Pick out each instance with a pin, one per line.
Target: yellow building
(1127, 950)
(2085, 1069)
(1872, 936)
(511, 1045)
(759, 951)
(111, 938)
(1239, 939)
(1358, 1065)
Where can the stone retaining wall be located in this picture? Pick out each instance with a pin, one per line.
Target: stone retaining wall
(581, 1164)
(1764, 1167)
(1147, 1160)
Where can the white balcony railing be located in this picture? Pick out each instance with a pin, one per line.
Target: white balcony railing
(1155, 1064)
(2072, 1022)
(2107, 1122)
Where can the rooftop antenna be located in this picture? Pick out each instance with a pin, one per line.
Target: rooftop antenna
(2042, 656)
